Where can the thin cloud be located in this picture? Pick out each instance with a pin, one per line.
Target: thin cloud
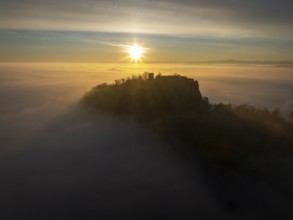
(225, 17)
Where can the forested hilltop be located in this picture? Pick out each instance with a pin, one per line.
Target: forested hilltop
(148, 97)
(161, 98)
(241, 149)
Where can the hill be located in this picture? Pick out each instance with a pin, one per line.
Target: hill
(154, 99)
(238, 147)
(147, 97)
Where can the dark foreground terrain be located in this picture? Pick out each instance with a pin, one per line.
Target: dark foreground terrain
(243, 151)
(152, 148)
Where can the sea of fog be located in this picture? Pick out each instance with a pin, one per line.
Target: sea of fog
(259, 85)
(55, 161)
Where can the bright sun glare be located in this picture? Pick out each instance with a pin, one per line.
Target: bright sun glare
(135, 52)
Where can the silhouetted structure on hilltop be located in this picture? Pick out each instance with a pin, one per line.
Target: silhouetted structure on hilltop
(151, 76)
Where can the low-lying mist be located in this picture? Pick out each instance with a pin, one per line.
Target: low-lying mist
(99, 168)
(57, 161)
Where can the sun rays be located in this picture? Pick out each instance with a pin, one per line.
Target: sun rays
(135, 52)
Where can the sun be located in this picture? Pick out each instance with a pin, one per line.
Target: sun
(135, 52)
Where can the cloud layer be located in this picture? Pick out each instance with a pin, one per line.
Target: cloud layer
(58, 162)
(225, 17)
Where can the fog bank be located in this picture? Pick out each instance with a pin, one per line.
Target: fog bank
(58, 162)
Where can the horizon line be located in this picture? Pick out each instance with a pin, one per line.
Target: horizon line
(224, 61)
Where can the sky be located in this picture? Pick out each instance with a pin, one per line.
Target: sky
(171, 31)
(84, 44)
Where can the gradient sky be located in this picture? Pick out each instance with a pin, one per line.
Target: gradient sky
(172, 31)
